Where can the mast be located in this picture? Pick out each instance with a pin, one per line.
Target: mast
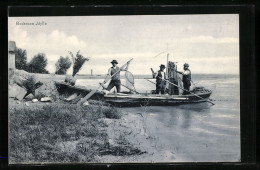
(167, 64)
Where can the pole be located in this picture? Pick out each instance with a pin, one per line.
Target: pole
(167, 64)
(187, 91)
(149, 80)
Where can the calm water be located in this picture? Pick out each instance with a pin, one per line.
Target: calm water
(194, 132)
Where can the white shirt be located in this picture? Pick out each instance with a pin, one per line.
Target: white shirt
(186, 72)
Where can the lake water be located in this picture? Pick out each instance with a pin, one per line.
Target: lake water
(193, 132)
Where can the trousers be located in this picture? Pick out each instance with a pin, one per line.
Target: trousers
(114, 83)
(186, 87)
(160, 87)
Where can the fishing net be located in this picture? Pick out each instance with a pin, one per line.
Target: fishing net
(129, 80)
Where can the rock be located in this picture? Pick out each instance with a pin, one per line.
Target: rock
(30, 96)
(46, 99)
(18, 102)
(12, 90)
(86, 103)
(17, 92)
(26, 103)
(48, 89)
(73, 96)
(17, 80)
(70, 80)
(35, 100)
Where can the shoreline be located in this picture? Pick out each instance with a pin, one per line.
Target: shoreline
(62, 77)
(127, 132)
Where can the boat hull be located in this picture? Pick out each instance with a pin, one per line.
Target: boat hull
(125, 99)
(154, 100)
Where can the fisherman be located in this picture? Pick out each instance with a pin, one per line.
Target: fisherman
(160, 83)
(115, 80)
(186, 78)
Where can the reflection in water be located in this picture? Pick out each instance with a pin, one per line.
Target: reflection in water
(186, 119)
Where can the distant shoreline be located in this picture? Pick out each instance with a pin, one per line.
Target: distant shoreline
(62, 77)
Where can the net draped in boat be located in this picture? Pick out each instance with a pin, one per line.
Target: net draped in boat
(129, 78)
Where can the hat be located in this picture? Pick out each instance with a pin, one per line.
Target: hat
(186, 65)
(162, 65)
(114, 61)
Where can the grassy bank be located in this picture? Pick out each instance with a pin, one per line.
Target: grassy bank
(61, 132)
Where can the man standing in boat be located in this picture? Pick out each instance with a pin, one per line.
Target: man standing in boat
(186, 78)
(115, 80)
(160, 83)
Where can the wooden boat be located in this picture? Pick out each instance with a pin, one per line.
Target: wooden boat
(127, 99)
(143, 99)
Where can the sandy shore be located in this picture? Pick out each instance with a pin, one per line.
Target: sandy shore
(130, 128)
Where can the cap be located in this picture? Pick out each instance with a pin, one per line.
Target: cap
(163, 66)
(186, 65)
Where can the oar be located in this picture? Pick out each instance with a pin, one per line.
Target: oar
(95, 90)
(187, 91)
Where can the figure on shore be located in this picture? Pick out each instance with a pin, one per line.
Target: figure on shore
(186, 78)
(160, 83)
(115, 80)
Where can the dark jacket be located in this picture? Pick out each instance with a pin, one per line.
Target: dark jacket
(187, 78)
(160, 76)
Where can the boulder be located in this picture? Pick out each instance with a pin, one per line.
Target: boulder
(47, 90)
(17, 92)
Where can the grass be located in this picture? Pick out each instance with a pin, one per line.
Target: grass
(59, 132)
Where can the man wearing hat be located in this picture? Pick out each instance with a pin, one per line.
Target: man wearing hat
(160, 84)
(186, 78)
(115, 80)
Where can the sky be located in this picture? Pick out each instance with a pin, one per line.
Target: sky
(208, 43)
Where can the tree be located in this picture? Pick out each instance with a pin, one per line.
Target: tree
(20, 58)
(78, 62)
(62, 65)
(38, 64)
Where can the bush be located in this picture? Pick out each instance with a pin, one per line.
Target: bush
(78, 62)
(20, 59)
(29, 83)
(112, 113)
(62, 65)
(38, 64)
